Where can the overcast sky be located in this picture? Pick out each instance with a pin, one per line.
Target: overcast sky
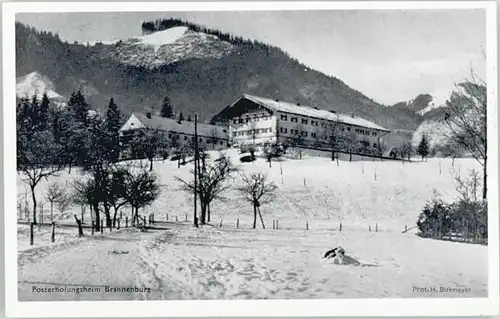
(389, 55)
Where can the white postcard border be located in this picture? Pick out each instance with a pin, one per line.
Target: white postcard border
(254, 308)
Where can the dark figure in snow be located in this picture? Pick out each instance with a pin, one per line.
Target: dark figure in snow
(335, 252)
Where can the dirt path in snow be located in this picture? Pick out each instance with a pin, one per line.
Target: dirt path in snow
(112, 261)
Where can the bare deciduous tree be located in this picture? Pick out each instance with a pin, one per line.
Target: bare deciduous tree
(257, 190)
(141, 189)
(37, 159)
(465, 118)
(212, 178)
(63, 203)
(53, 194)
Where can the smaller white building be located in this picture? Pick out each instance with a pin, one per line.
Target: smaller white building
(178, 133)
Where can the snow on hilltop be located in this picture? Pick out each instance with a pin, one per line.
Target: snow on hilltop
(166, 47)
(438, 100)
(35, 83)
(168, 36)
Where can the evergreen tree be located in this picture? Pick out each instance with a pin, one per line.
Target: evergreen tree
(79, 107)
(189, 118)
(423, 147)
(167, 110)
(44, 111)
(181, 117)
(112, 125)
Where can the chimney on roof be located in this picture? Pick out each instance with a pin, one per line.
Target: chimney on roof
(148, 115)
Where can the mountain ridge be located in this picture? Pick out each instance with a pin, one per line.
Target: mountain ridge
(194, 84)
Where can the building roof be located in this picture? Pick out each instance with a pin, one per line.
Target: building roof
(287, 107)
(185, 127)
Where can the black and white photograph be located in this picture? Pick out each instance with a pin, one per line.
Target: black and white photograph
(291, 152)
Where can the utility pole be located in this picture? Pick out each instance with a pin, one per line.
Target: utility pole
(195, 218)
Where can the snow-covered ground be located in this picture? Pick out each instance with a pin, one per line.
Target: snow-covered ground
(180, 262)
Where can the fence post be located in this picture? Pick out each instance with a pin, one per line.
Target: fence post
(53, 236)
(277, 222)
(32, 238)
(220, 225)
(369, 228)
(186, 216)
(102, 226)
(118, 224)
(126, 221)
(340, 227)
(121, 214)
(93, 227)
(176, 219)
(406, 228)
(274, 224)
(307, 225)
(304, 181)
(237, 223)
(376, 227)
(167, 217)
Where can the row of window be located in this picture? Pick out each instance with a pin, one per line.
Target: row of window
(304, 133)
(253, 131)
(253, 118)
(208, 140)
(294, 119)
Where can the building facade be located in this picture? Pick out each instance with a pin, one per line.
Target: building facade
(253, 120)
(179, 134)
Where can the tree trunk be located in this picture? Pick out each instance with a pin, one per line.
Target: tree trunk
(51, 211)
(80, 228)
(151, 164)
(97, 216)
(254, 215)
(114, 216)
(208, 213)
(34, 203)
(350, 157)
(485, 185)
(107, 214)
(203, 213)
(261, 219)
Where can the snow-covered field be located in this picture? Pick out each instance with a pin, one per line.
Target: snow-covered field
(180, 262)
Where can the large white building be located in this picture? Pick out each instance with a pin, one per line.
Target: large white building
(257, 120)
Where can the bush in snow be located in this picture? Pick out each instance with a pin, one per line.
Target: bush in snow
(466, 219)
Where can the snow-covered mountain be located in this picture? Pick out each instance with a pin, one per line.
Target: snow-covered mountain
(438, 100)
(166, 47)
(35, 83)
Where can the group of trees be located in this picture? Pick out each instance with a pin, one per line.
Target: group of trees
(51, 137)
(167, 110)
(212, 180)
(466, 131)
